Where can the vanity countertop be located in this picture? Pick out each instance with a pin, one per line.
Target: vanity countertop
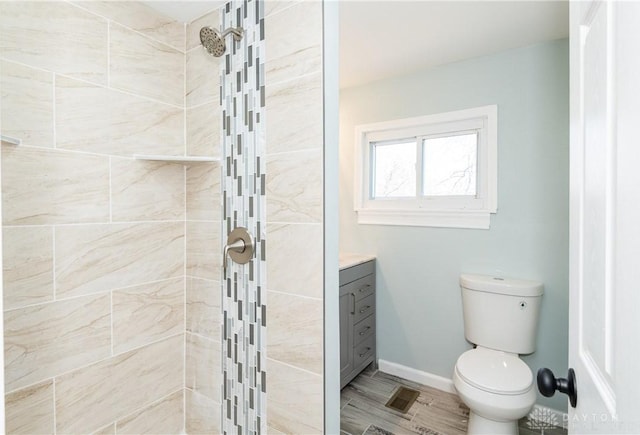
(347, 260)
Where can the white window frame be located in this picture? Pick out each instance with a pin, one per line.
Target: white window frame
(430, 211)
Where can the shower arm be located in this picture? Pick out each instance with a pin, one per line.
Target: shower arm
(237, 32)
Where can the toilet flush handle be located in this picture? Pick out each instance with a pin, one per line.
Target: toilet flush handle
(548, 384)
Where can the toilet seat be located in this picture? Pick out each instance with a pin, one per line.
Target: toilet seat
(494, 371)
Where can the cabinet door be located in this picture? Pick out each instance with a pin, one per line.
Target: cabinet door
(346, 334)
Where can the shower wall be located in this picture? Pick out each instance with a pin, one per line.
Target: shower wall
(94, 241)
(203, 121)
(294, 232)
(112, 265)
(244, 301)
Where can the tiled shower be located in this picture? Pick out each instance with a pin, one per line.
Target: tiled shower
(113, 312)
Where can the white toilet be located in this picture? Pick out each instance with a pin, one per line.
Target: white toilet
(501, 319)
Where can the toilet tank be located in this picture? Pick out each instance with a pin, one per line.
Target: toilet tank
(501, 313)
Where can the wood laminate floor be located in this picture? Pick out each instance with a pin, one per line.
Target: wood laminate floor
(435, 412)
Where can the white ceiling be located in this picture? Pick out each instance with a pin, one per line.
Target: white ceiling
(386, 38)
(381, 39)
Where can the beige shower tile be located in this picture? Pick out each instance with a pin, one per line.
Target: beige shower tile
(83, 115)
(163, 417)
(289, 57)
(56, 36)
(204, 253)
(211, 19)
(272, 431)
(296, 331)
(202, 414)
(49, 339)
(41, 186)
(147, 313)
(294, 187)
(302, 243)
(99, 120)
(295, 115)
(295, 399)
(140, 17)
(203, 366)
(203, 307)
(30, 411)
(146, 191)
(89, 398)
(140, 126)
(27, 104)
(274, 6)
(145, 67)
(27, 265)
(203, 77)
(203, 192)
(109, 429)
(203, 130)
(95, 258)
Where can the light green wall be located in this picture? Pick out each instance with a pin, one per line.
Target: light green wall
(419, 306)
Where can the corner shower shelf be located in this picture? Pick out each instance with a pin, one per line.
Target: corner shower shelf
(10, 140)
(176, 159)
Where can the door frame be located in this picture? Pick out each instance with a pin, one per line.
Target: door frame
(330, 51)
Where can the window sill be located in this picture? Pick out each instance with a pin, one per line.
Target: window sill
(473, 219)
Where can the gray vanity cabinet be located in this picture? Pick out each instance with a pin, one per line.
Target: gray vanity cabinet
(357, 320)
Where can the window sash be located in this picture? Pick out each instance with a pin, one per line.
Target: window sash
(372, 164)
(419, 162)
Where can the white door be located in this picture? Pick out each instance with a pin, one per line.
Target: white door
(604, 321)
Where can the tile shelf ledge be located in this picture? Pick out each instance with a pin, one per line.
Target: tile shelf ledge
(176, 159)
(149, 157)
(10, 140)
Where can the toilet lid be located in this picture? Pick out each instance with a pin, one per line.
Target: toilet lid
(494, 371)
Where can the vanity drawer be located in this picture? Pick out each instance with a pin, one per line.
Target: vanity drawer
(364, 287)
(364, 351)
(360, 288)
(351, 274)
(364, 308)
(364, 329)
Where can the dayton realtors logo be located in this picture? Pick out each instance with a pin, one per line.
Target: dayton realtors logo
(542, 419)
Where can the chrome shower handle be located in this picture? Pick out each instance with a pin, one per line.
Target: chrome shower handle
(239, 247)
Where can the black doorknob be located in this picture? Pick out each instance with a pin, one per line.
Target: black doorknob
(548, 384)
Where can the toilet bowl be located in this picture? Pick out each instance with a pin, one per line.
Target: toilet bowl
(497, 387)
(500, 319)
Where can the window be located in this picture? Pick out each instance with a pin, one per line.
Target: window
(437, 170)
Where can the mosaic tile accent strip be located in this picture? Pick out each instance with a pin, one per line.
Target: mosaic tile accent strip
(242, 90)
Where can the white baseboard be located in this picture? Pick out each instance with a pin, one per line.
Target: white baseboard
(538, 413)
(414, 375)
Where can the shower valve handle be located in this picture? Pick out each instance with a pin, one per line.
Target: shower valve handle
(239, 247)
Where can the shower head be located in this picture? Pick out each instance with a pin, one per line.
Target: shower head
(213, 41)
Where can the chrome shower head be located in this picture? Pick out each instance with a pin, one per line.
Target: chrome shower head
(213, 41)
